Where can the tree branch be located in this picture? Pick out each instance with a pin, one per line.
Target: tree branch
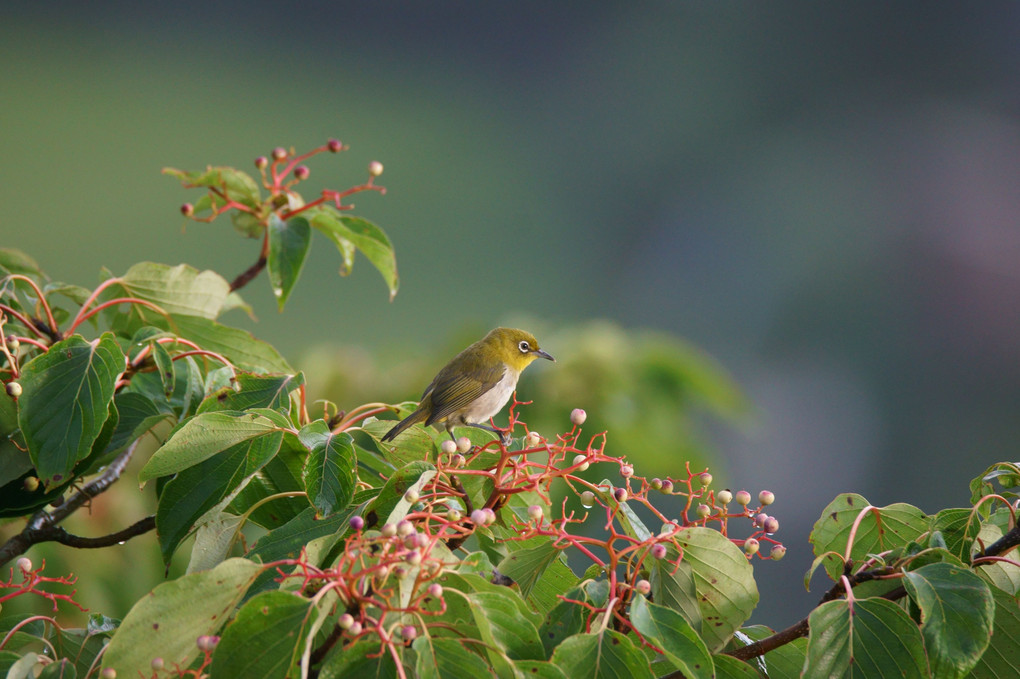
(43, 526)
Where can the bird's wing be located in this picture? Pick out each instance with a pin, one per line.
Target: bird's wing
(454, 390)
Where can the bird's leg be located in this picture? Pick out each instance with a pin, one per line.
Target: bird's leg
(503, 434)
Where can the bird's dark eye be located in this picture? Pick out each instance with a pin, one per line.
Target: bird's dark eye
(524, 346)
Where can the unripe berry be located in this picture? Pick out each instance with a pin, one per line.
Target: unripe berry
(463, 444)
(458, 460)
(724, 496)
(759, 519)
(667, 486)
(412, 495)
(581, 462)
(655, 484)
(345, 621)
(705, 479)
(301, 172)
(751, 546)
(626, 470)
(187, 209)
(157, 664)
(658, 551)
(490, 516)
(532, 439)
(643, 587)
(388, 530)
(535, 512)
(620, 494)
(404, 528)
(207, 642)
(454, 515)
(108, 673)
(375, 168)
(771, 525)
(261, 163)
(279, 153)
(413, 558)
(357, 523)
(31, 484)
(766, 498)
(24, 564)
(448, 447)
(13, 344)
(478, 517)
(355, 629)
(587, 498)
(578, 416)
(408, 632)
(435, 590)
(334, 145)
(704, 510)
(777, 553)
(742, 497)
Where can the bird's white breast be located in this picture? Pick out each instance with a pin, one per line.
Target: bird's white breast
(492, 401)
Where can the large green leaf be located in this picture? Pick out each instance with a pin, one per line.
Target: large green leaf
(447, 659)
(137, 414)
(345, 230)
(1001, 660)
(66, 400)
(957, 610)
(864, 638)
(239, 346)
(673, 586)
(528, 566)
(167, 622)
(330, 472)
(958, 528)
(204, 435)
(177, 289)
(728, 667)
(281, 475)
(390, 504)
(199, 488)
(506, 634)
(604, 653)
(264, 639)
(881, 529)
(667, 629)
(723, 579)
(254, 391)
(360, 659)
(288, 246)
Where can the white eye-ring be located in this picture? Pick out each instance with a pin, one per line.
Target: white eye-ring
(524, 346)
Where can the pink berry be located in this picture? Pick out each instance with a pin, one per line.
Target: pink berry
(751, 546)
(334, 145)
(643, 587)
(478, 517)
(279, 153)
(535, 513)
(766, 497)
(771, 525)
(301, 172)
(777, 553)
(357, 523)
(578, 416)
(667, 486)
(207, 642)
(187, 209)
(345, 621)
(626, 471)
(404, 528)
(658, 551)
(463, 444)
(620, 494)
(261, 163)
(705, 479)
(435, 590)
(408, 632)
(448, 447)
(742, 497)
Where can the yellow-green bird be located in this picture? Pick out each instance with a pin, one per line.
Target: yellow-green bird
(476, 384)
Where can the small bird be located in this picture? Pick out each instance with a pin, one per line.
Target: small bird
(476, 384)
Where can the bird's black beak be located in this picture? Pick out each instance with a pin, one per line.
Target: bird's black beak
(539, 352)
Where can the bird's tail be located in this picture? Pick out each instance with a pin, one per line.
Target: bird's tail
(413, 418)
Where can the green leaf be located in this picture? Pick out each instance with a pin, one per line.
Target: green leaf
(213, 541)
(138, 414)
(498, 619)
(16, 261)
(330, 472)
(1001, 660)
(564, 620)
(728, 667)
(199, 488)
(957, 610)
(446, 659)
(174, 614)
(59, 669)
(234, 184)
(264, 639)
(288, 247)
(605, 653)
(958, 527)
(344, 230)
(239, 346)
(360, 659)
(1007, 474)
(254, 391)
(542, 574)
(898, 525)
(66, 400)
(390, 504)
(282, 474)
(204, 435)
(723, 579)
(673, 586)
(165, 367)
(179, 290)
(670, 632)
(866, 638)
(538, 669)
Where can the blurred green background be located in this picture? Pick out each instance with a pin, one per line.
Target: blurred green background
(821, 197)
